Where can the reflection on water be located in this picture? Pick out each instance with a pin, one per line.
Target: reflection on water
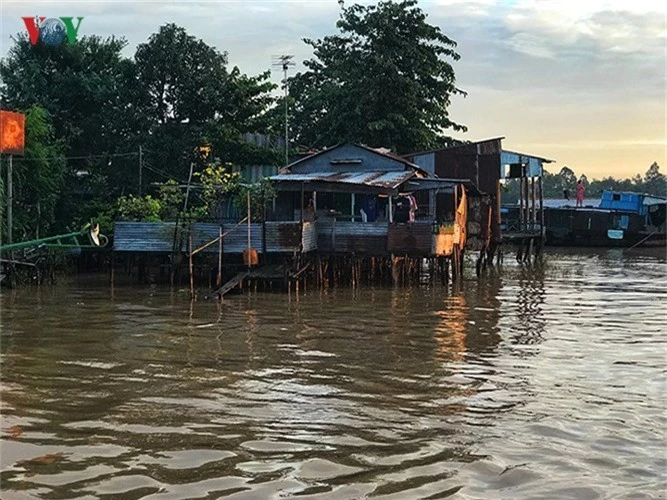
(543, 381)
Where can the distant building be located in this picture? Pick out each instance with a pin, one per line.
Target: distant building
(485, 163)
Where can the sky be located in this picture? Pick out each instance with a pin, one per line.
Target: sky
(580, 82)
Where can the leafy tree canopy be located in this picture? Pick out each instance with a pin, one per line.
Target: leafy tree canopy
(384, 80)
(96, 108)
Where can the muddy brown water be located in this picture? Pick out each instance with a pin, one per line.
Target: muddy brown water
(546, 382)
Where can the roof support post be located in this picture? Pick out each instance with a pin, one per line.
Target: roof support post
(391, 211)
(302, 194)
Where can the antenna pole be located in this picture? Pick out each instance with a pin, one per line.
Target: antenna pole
(283, 62)
(286, 116)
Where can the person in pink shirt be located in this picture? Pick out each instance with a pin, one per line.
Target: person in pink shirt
(580, 193)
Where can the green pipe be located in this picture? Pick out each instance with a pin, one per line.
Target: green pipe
(49, 242)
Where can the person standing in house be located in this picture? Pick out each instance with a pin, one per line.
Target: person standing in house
(580, 193)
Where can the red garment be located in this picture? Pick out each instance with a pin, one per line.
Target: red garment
(580, 193)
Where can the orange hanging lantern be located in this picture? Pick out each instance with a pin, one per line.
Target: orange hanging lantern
(12, 132)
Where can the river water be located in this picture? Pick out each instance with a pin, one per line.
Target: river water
(543, 382)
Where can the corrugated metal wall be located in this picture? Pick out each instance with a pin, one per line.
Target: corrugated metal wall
(144, 237)
(425, 161)
(203, 233)
(309, 236)
(368, 238)
(237, 239)
(283, 237)
(158, 237)
(534, 164)
(415, 238)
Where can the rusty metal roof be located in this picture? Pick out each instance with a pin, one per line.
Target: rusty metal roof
(454, 146)
(379, 179)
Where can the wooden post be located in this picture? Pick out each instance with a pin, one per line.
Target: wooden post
(497, 233)
(113, 261)
(10, 202)
(391, 212)
(218, 281)
(10, 218)
(187, 190)
(264, 257)
(302, 194)
(352, 200)
(248, 217)
(526, 217)
(541, 210)
(192, 277)
(533, 208)
(520, 203)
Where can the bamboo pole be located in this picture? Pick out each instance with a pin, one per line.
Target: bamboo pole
(218, 281)
(192, 277)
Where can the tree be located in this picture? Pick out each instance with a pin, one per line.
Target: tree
(655, 182)
(84, 89)
(77, 84)
(384, 80)
(184, 79)
(38, 177)
(188, 98)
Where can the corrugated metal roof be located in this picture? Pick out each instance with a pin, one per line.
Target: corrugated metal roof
(462, 145)
(379, 151)
(383, 179)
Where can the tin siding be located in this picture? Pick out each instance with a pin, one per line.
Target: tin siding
(425, 161)
(309, 236)
(237, 240)
(534, 164)
(366, 238)
(283, 237)
(412, 239)
(155, 237)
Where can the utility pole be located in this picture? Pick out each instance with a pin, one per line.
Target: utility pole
(141, 157)
(283, 62)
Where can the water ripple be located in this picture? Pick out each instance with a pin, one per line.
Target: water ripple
(538, 382)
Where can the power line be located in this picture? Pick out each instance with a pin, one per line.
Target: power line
(88, 157)
(160, 172)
